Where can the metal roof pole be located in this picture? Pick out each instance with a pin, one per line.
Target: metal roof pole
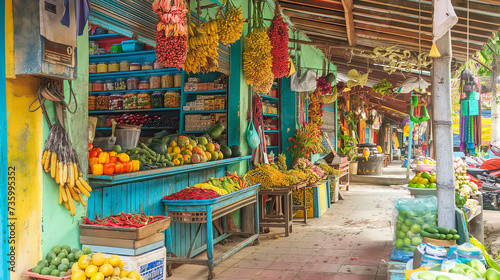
(442, 125)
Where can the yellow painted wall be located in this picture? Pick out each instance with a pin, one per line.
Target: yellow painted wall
(24, 136)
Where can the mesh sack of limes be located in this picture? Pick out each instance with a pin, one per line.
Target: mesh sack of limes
(62, 261)
(411, 215)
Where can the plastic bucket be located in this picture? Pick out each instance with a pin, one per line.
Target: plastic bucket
(127, 138)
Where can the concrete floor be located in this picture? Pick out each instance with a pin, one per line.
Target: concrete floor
(393, 174)
(352, 240)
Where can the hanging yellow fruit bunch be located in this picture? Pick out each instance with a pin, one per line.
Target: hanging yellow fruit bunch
(198, 46)
(210, 27)
(229, 22)
(257, 58)
(266, 85)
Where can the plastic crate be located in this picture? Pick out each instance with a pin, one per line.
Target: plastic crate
(132, 46)
(37, 276)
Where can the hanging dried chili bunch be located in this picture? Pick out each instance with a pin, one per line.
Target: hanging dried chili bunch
(257, 58)
(171, 32)
(229, 22)
(278, 35)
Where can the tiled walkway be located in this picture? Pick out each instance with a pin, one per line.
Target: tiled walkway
(351, 241)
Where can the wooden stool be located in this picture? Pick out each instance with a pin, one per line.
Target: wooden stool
(276, 217)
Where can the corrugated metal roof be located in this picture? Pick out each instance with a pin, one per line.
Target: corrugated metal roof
(134, 19)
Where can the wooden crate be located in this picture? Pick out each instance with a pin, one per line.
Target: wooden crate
(125, 233)
(122, 243)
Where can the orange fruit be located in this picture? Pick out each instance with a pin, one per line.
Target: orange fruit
(78, 275)
(208, 155)
(134, 274)
(97, 276)
(124, 273)
(106, 269)
(84, 261)
(98, 259)
(114, 260)
(91, 270)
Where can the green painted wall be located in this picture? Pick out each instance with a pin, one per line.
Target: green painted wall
(58, 226)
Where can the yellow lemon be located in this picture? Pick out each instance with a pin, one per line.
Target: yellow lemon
(114, 260)
(98, 259)
(78, 275)
(433, 179)
(210, 147)
(97, 276)
(420, 162)
(106, 269)
(121, 265)
(116, 271)
(75, 268)
(106, 260)
(91, 270)
(84, 261)
(134, 273)
(124, 273)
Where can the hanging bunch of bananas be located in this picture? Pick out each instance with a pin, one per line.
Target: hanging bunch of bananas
(198, 45)
(257, 58)
(229, 22)
(266, 85)
(210, 27)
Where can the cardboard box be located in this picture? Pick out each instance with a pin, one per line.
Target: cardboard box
(151, 265)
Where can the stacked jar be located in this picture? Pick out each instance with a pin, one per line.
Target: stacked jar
(98, 85)
(92, 102)
(120, 84)
(167, 81)
(116, 48)
(157, 99)
(109, 85)
(116, 101)
(132, 83)
(154, 82)
(144, 84)
(102, 67)
(178, 80)
(147, 66)
(114, 66)
(143, 100)
(172, 99)
(130, 101)
(103, 102)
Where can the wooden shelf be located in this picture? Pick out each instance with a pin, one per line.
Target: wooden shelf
(132, 111)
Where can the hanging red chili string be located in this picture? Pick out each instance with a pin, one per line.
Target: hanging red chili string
(278, 35)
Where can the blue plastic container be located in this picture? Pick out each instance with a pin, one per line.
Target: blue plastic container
(132, 46)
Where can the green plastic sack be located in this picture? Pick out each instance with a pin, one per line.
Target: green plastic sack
(411, 215)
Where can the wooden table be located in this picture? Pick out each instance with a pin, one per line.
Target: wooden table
(280, 212)
(344, 169)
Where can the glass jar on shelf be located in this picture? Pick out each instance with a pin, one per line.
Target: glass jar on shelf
(98, 85)
(154, 82)
(102, 102)
(124, 66)
(143, 100)
(92, 102)
(130, 101)
(109, 85)
(113, 66)
(120, 84)
(91, 87)
(172, 99)
(116, 48)
(102, 67)
(144, 84)
(92, 68)
(135, 66)
(167, 81)
(178, 80)
(93, 46)
(147, 66)
(157, 99)
(116, 101)
(132, 83)
(158, 65)
(100, 51)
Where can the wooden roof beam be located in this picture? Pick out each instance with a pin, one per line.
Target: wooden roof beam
(349, 22)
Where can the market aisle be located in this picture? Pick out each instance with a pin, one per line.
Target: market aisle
(351, 241)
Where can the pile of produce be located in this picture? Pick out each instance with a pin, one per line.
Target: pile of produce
(297, 176)
(145, 120)
(462, 182)
(272, 176)
(61, 162)
(124, 220)
(171, 32)
(278, 35)
(114, 162)
(267, 176)
(60, 260)
(149, 157)
(282, 162)
(440, 233)
(427, 162)
(98, 267)
(315, 171)
(383, 87)
(409, 226)
(327, 169)
(475, 269)
(266, 85)
(198, 48)
(193, 194)
(257, 58)
(229, 22)
(423, 180)
(210, 27)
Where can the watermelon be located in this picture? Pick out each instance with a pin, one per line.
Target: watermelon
(235, 151)
(215, 131)
(226, 151)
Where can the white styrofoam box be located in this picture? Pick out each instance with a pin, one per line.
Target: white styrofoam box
(151, 265)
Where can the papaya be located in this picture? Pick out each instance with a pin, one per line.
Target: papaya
(215, 131)
(226, 151)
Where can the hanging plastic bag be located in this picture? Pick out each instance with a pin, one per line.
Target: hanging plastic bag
(307, 82)
(253, 138)
(411, 215)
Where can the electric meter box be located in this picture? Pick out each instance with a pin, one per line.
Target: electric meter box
(43, 46)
